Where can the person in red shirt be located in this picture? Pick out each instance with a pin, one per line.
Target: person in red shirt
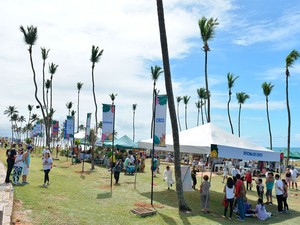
(248, 179)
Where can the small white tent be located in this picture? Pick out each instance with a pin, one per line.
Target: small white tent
(198, 140)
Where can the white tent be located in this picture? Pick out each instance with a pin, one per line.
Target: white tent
(198, 140)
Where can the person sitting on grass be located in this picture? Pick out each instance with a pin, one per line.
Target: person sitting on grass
(260, 210)
(248, 208)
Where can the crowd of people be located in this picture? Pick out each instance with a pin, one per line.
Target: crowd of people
(18, 163)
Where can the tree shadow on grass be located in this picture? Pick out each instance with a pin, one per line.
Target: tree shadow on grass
(169, 198)
(105, 195)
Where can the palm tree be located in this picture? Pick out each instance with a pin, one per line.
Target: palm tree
(183, 207)
(81, 127)
(178, 98)
(186, 101)
(69, 106)
(45, 53)
(133, 120)
(52, 71)
(30, 108)
(48, 86)
(73, 112)
(198, 106)
(95, 57)
(289, 61)
(267, 88)
(155, 72)
(79, 86)
(30, 37)
(241, 97)
(14, 118)
(201, 95)
(34, 118)
(21, 119)
(11, 110)
(230, 81)
(207, 30)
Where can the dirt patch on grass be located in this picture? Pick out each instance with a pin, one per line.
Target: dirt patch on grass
(104, 187)
(147, 205)
(21, 216)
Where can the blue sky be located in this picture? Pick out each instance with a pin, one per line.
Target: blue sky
(251, 41)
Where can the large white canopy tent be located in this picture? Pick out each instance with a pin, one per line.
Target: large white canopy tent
(198, 140)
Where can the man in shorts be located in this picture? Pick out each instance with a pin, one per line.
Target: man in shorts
(26, 164)
(294, 177)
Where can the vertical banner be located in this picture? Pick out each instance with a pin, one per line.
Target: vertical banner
(88, 127)
(55, 126)
(66, 136)
(70, 126)
(160, 120)
(107, 122)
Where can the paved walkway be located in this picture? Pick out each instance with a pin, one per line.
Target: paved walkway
(6, 197)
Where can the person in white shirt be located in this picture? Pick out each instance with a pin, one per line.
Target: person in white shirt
(294, 177)
(279, 192)
(47, 166)
(168, 177)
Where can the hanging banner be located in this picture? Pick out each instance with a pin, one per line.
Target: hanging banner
(70, 126)
(66, 136)
(88, 126)
(107, 122)
(160, 120)
(55, 126)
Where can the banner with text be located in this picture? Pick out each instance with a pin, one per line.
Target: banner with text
(70, 127)
(108, 112)
(160, 120)
(55, 127)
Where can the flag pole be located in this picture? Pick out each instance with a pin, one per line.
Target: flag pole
(152, 154)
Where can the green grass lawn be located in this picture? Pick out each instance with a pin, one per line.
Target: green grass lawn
(75, 198)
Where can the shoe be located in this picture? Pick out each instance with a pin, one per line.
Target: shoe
(171, 185)
(223, 216)
(17, 183)
(270, 203)
(230, 218)
(168, 188)
(44, 185)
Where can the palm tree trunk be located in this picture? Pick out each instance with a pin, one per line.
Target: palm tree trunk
(198, 115)
(289, 120)
(205, 111)
(269, 123)
(228, 112)
(239, 120)
(36, 96)
(95, 101)
(186, 127)
(202, 113)
(133, 126)
(12, 131)
(153, 108)
(168, 83)
(207, 90)
(78, 112)
(178, 116)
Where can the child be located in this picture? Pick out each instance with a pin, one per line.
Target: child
(248, 178)
(260, 210)
(168, 177)
(260, 188)
(269, 185)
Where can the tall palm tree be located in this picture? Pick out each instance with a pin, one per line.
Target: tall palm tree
(198, 106)
(11, 110)
(21, 119)
(79, 86)
(201, 95)
(241, 97)
(30, 108)
(45, 53)
(48, 86)
(113, 97)
(69, 106)
(14, 118)
(95, 57)
(182, 205)
(186, 101)
(230, 81)
(207, 30)
(267, 88)
(156, 71)
(73, 112)
(133, 121)
(30, 37)
(178, 99)
(81, 127)
(289, 61)
(52, 71)
(34, 118)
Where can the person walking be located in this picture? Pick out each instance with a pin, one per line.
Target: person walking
(47, 166)
(205, 194)
(168, 177)
(18, 166)
(229, 195)
(240, 193)
(11, 155)
(279, 192)
(117, 170)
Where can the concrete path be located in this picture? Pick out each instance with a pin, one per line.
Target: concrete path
(6, 198)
